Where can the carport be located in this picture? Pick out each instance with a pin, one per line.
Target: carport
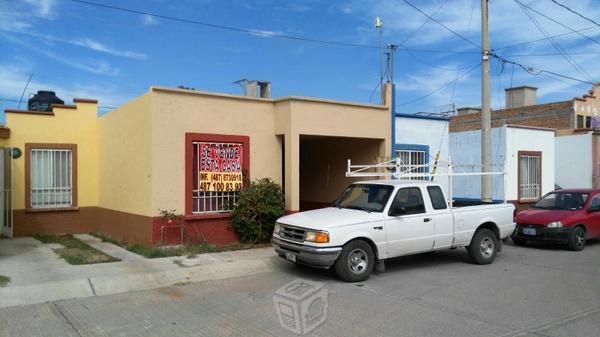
(318, 136)
(323, 163)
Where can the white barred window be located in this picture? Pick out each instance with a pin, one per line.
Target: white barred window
(530, 176)
(51, 178)
(412, 161)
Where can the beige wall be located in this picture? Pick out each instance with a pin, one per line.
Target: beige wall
(177, 112)
(125, 157)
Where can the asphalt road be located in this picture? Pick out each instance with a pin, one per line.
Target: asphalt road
(530, 291)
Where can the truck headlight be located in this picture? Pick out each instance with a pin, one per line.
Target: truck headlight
(317, 237)
(555, 224)
(276, 228)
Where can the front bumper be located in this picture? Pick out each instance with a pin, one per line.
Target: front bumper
(543, 233)
(320, 257)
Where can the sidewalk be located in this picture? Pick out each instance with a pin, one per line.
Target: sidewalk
(39, 275)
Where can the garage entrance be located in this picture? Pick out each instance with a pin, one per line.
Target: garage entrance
(323, 162)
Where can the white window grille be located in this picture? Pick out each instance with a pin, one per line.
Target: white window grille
(529, 177)
(412, 161)
(209, 202)
(51, 178)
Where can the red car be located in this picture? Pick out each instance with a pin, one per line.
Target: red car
(566, 216)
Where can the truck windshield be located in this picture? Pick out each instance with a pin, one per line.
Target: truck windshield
(366, 197)
(567, 201)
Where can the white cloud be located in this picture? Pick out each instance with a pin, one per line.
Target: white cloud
(97, 46)
(43, 8)
(148, 20)
(265, 33)
(92, 66)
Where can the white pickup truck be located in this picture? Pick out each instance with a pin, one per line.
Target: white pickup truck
(375, 220)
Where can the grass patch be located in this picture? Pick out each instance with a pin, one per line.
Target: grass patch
(75, 251)
(189, 250)
(4, 280)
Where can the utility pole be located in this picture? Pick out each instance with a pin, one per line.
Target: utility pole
(379, 26)
(486, 115)
(390, 70)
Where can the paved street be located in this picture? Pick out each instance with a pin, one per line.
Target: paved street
(532, 291)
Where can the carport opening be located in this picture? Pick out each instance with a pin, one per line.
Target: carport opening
(323, 162)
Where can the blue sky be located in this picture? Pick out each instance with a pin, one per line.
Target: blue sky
(89, 52)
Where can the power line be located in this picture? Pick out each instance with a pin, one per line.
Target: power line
(576, 13)
(441, 24)
(558, 47)
(552, 54)
(537, 71)
(424, 23)
(557, 22)
(441, 87)
(254, 32)
(544, 39)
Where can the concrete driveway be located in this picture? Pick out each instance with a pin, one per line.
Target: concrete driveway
(38, 275)
(528, 291)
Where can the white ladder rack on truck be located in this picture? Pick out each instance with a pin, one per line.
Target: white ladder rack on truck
(396, 169)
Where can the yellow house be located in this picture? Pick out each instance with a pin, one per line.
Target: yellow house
(182, 150)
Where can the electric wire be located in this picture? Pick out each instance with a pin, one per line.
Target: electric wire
(439, 88)
(557, 22)
(441, 24)
(557, 46)
(576, 13)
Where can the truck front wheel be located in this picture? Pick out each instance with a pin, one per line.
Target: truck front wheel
(483, 247)
(356, 261)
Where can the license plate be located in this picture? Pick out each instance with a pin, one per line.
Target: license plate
(290, 256)
(529, 231)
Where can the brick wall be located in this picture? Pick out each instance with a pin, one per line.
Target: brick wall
(557, 115)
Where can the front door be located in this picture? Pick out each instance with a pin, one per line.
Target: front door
(6, 223)
(411, 230)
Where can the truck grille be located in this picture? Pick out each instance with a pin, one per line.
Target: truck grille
(292, 233)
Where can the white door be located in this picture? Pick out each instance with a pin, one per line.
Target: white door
(442, 218)
(408, 226)
(6, 225)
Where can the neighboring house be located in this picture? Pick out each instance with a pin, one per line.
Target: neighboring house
(522, 109)
(183, 150)
(578, 165)
(420, 140)
(526, 154)
(572, 118)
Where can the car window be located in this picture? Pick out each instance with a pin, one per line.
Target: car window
(410, 199)
(595, 201)
(437, 197)
(568, 201)
(367, 197)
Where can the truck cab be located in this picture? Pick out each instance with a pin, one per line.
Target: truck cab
(375, 220)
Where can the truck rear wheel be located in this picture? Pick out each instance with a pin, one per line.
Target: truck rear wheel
(356, 261)
(483, 247)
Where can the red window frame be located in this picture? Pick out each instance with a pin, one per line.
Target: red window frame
(190, 138)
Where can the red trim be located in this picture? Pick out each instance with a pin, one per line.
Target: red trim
(191, 137)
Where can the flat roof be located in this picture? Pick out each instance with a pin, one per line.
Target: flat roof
(261, 99)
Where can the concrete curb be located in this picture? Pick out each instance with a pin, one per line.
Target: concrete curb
(109, 285)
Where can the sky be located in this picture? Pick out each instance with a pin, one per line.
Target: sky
(84, 51)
